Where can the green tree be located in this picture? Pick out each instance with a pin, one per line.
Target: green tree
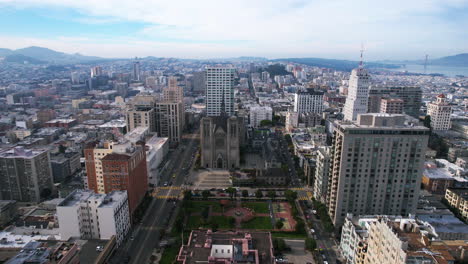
(427, 121)
(205, 194)
(259, 194)
(187, 195)
(271, 194)
(245, 193)
(232, 191)
(310, 244)
(266, 123)
(62, 149)
(214, 226)
(279, 224)
(290, 195)
(279, 245)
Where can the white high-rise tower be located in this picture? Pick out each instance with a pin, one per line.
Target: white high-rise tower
(219, 90)
(358, 93)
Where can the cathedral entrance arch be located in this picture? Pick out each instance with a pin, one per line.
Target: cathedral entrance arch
(219, 163)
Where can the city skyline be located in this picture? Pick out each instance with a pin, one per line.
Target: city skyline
(206, 29)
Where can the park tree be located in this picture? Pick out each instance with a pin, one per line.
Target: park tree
(245, 193)
(310, 244)
(205, 194)
(231, 191)
(266, 123)
(271, 194)
(259, 194)
(290, 195)
(279, 224)
(188, 195)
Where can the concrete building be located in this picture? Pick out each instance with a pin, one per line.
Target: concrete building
(8, 210)
(440, 112)
(322, 171)
(376, 166)
(358, 94)
(219, 88)
(35, 252)
(127, 171)
(136, 71)
(174, 92)
(220, 138)
(391, 106)
(205, 246)
(308, 101)
(156, 151)
(96, 71)
(141, 117)
(25, 174)
(411, 96)
(258, 114)
(292, 120)
(121, 88)
(169, 120)
(401, 242)
(198, 82)
(87, 215)
(458, 199)
(93, 154)
(45, 115)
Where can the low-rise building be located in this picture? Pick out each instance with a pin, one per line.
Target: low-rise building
(458, 198)
(227, 247)
(87, 215)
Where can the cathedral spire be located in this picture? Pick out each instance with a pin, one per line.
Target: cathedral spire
(223, 106)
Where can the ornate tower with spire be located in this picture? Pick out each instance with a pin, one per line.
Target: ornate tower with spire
(358, 92)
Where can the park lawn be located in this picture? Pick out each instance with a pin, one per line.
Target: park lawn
(259, 222)
(194, 222)
(257, 207)
(169, 255)
(223, 222)
(198, 206)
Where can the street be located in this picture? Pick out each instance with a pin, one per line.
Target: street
(146, 236)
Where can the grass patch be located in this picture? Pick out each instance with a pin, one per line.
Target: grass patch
(224, 222)
(198, 206)
(257, 207)
(260, 222)
(292, 235)
(169, 254)
(194, 222)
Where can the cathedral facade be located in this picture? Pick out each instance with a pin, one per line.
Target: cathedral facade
(221, 137)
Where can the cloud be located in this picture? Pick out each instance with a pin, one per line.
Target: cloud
(275, 27)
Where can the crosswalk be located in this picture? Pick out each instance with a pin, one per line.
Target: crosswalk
(169, 192)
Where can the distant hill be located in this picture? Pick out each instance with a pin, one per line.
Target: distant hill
(340, 65)
(19, 58)
(45, 55)
(459, 60)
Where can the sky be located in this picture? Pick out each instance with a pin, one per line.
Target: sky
(396, 29)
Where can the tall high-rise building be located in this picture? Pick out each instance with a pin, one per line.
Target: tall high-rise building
(75, 77)
(169, 120)
(376, 166)
(121, 88)
(322, 170)
(96, 71)
(411, 96)
(219, 89)
(136, 71)
(358, 93)
(440, 112)
(308, 101)
(25, 174)
(174, 92)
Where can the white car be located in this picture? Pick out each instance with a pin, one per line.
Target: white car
(312, 231)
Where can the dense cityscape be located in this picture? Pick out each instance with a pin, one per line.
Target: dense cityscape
(157, 160)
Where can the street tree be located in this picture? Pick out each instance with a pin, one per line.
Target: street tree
(259, 194)
(205, 194)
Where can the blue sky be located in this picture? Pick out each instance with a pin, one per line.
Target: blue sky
(398, 29)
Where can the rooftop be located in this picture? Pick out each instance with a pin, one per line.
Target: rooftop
(20, 152)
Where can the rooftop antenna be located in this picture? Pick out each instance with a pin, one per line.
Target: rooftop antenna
(362, 52)
(425, 63)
